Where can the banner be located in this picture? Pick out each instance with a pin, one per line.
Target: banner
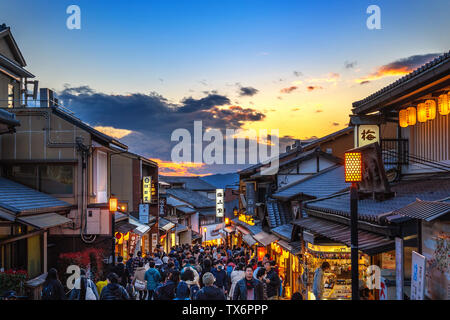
(417, 276)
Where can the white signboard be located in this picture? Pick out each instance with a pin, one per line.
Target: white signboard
(143, 213)
(417, 276)
(147, 189)
(367, 134)
(154, 241)
(219, 203)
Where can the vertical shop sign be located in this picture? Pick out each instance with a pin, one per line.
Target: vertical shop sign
(219, 203)
(417, 276)
(146, 189)
(143, 213)
(250, 195)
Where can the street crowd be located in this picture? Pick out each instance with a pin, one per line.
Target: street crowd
(185, 273)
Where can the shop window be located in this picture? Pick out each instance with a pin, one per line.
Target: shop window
(51, 179)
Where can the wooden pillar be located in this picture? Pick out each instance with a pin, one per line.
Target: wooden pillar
(44, 240)
(399, 267)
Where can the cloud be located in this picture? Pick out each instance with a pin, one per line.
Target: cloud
(319, 111)
(113, 132)
(330, 77)
(350, 65)
(169, 168)
(398, 67)
(335, 124)
(297, 73)
(146, 121)
(312, 88)
(364, 82)
(247, 91)
(295, 109)
(288, 89)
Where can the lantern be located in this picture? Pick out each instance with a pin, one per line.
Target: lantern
(411, 116)
(402, 118)
(426, 111)
(113, 204)
(444, 104)
(227, 221)
(353, 167)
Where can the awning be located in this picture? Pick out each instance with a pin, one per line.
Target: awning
(168, 226)
(249, 240)
(368, 242)
(44, 221)
(265, 238)
(219, 226)
(174, 202)
(181, 228)
(125, 227)
(141, 228)
(293, 247)
(242, 230)
(229, 229)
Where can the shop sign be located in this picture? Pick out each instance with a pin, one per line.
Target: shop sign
(143, 213)
(132, 243)
(154, 240)
(247, 219)
(146, 189)
(367, 134)
(219, 203)
(417, 276)
(250, 195)
(162, 206)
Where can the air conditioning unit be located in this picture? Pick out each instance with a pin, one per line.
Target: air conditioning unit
(93, 221)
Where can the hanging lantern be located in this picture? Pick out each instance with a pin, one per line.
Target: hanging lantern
(411, 116)
(444, 104)
(402, 118)
(426, 111)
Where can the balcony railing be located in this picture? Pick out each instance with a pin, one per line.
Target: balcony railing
(394, 152)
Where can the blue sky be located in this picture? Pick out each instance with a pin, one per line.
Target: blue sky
(182, 49)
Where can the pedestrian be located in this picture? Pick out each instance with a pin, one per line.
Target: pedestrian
(260, 275)
(248, 288)
(101, 283)
(236, 275)
(183, 291)
(139, 282)
(52, 288)
(209, 291)
(221, 276)
(153, 278)
(84, 288)
(122, 271)
(113, 290)
(136, 261)
(272, 281)
(167, 290)
(318, 282)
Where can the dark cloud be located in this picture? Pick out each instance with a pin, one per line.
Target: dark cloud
(350, 65)
(297, 73)
(247, 91)
(152, 118)
(288, 89)
(364, 82)
(335, 124)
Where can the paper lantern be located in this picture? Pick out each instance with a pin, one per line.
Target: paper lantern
(411, 116)
(426, 111)
(353, 166)
(402, 118)
(444, 104)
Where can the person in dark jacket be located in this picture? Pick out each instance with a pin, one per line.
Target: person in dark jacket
(113, 290)
(221, 276)
(52, 288)
(167, 290)
(122, 272)
(272, 281)
(248, 288)
(209, 291)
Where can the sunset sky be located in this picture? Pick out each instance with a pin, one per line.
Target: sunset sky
(140, 69)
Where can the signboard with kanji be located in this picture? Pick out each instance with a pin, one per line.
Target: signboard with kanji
(250, 195)
(417, 276)
(143, 213)
(132, 243)
(219, 203)
(367, 134)
(146, 189)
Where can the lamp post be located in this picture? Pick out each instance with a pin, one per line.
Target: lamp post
(113, 203)
(353, 174)
(204, 232)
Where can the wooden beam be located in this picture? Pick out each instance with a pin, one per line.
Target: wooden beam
(24, 236)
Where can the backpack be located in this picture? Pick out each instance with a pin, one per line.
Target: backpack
(194, 290)
(48, 292)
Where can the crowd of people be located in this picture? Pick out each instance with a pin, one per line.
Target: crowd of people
(185, 273)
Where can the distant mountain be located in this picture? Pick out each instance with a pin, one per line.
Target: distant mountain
(221, 181)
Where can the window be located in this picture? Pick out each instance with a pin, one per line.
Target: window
(10, 96)
(51, 179)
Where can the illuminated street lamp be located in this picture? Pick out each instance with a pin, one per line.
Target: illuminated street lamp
(204, 231)
(113, 204)
(353, 174)
(227, 221)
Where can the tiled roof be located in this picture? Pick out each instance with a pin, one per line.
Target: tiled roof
(322, 184)
(8, 118)
(276, 214)
(425, 210)
(193, 183)
(406, 192)
(284, 231)
(416, 73)
(192, 197)
(18, 198)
